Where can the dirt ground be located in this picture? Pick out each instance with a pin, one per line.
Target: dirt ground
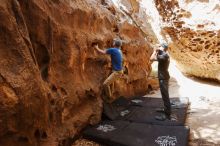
(204, 111)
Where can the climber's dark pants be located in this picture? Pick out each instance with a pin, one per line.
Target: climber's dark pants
(164, 89)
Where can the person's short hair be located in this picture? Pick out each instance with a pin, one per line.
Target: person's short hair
(165, 46)
(117, 43)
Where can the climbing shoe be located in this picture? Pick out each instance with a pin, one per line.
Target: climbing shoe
(161, 117)
(160, 110)
(164, 117)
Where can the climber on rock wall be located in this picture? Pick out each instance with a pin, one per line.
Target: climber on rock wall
(161, 55)
(117, 68)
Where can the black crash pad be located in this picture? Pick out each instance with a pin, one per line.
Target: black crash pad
(112, 111)
(144, 111)
(176, 102)
(147, 115)
(124, 133)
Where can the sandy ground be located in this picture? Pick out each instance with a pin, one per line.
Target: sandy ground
(204, 111)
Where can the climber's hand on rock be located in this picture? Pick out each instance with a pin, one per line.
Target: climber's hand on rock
(96, 46)
(156, 49)
(99, 50)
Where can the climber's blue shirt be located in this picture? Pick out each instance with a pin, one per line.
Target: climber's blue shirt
(116, 58)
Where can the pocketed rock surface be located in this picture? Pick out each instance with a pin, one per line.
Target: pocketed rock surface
(51, 77)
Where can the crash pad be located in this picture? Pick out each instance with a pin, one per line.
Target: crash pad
(143, 110)
(125, 133)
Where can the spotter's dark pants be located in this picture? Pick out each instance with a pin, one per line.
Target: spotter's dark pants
(164, 89)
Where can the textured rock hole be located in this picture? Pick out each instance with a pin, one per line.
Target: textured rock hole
(206, 42)
(197, 39)
(54, 88)
(211, 35)
(179, 26)
(51, 116)
(123, 49)
(1, 79)
(52, 102)
(150, 88)
(63, 91)
(43, 60)
(109, 43)
(63, 143)
(56, 1)
(204, 33)
(180, 15)
(90, 93)
(201, 42)
(207, 46)
(23, 139)
(112, 10)
(213, 51)
(40, 134)
(126, 70)
(218, 44)
(200, 26)
(103, 2)
(116, 29)
(195, 50)
(49, 95)
(44, 135)
(94, 43)
(66, 142)
(37, 134)
(44, 73)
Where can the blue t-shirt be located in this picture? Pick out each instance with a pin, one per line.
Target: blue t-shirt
(116, 58)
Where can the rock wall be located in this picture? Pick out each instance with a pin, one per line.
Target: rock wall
(193, 27)
(51, 77)
(136, 12)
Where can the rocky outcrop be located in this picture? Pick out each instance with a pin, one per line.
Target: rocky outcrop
(137, 14)
(194, 38)
(51, 77)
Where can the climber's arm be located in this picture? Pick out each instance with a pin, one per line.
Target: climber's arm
(100, 50)
(154, 55)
